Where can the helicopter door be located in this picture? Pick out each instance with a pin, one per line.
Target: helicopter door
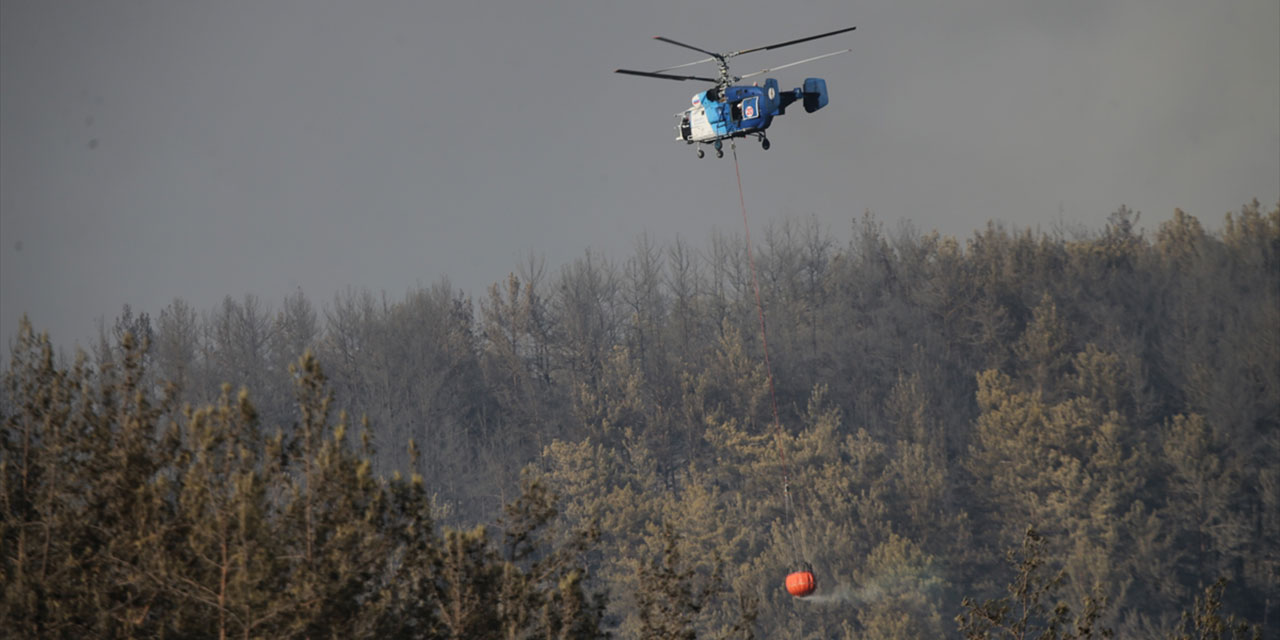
(699, 126)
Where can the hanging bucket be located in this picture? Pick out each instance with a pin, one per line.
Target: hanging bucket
(801, 583)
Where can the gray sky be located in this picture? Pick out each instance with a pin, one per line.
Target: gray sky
(153, 149)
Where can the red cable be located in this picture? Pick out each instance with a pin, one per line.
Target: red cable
(768, 367)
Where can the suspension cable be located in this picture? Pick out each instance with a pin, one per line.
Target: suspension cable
(764, 340)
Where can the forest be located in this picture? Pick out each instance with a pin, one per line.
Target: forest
(1019, 434)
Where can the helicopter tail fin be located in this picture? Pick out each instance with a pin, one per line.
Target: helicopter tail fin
(815, 94)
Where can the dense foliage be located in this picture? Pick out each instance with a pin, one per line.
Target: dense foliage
(1117, 392)
(126, 518)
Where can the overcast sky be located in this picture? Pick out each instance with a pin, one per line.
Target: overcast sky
(161, 149)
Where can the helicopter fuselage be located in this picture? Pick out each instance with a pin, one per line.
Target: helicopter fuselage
(738, 111)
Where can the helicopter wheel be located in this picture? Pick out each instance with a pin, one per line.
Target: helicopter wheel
(700, 153)
(719, 153)
(764, 144)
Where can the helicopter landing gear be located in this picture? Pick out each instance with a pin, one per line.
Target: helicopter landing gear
(719, 149)
(700, 153)
(764, 143)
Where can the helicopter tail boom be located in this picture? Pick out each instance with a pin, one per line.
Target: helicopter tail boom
(813, 95)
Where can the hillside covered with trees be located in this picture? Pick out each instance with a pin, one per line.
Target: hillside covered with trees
(1077, 433)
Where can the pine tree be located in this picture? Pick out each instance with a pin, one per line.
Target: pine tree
(1030, 611)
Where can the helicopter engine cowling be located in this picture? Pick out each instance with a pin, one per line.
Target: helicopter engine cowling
(815, 94)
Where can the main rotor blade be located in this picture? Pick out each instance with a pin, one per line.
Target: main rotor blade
(687, 46)
(687, 64)
(664, 76)
(787, 43)
(792, 64)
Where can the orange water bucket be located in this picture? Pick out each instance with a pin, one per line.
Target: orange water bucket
(801, 583)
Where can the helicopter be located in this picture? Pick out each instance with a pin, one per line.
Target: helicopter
(727, 110)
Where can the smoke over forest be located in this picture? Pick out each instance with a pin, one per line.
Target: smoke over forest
(590, 450)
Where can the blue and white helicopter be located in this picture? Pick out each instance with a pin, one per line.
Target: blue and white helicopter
(728, 111)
